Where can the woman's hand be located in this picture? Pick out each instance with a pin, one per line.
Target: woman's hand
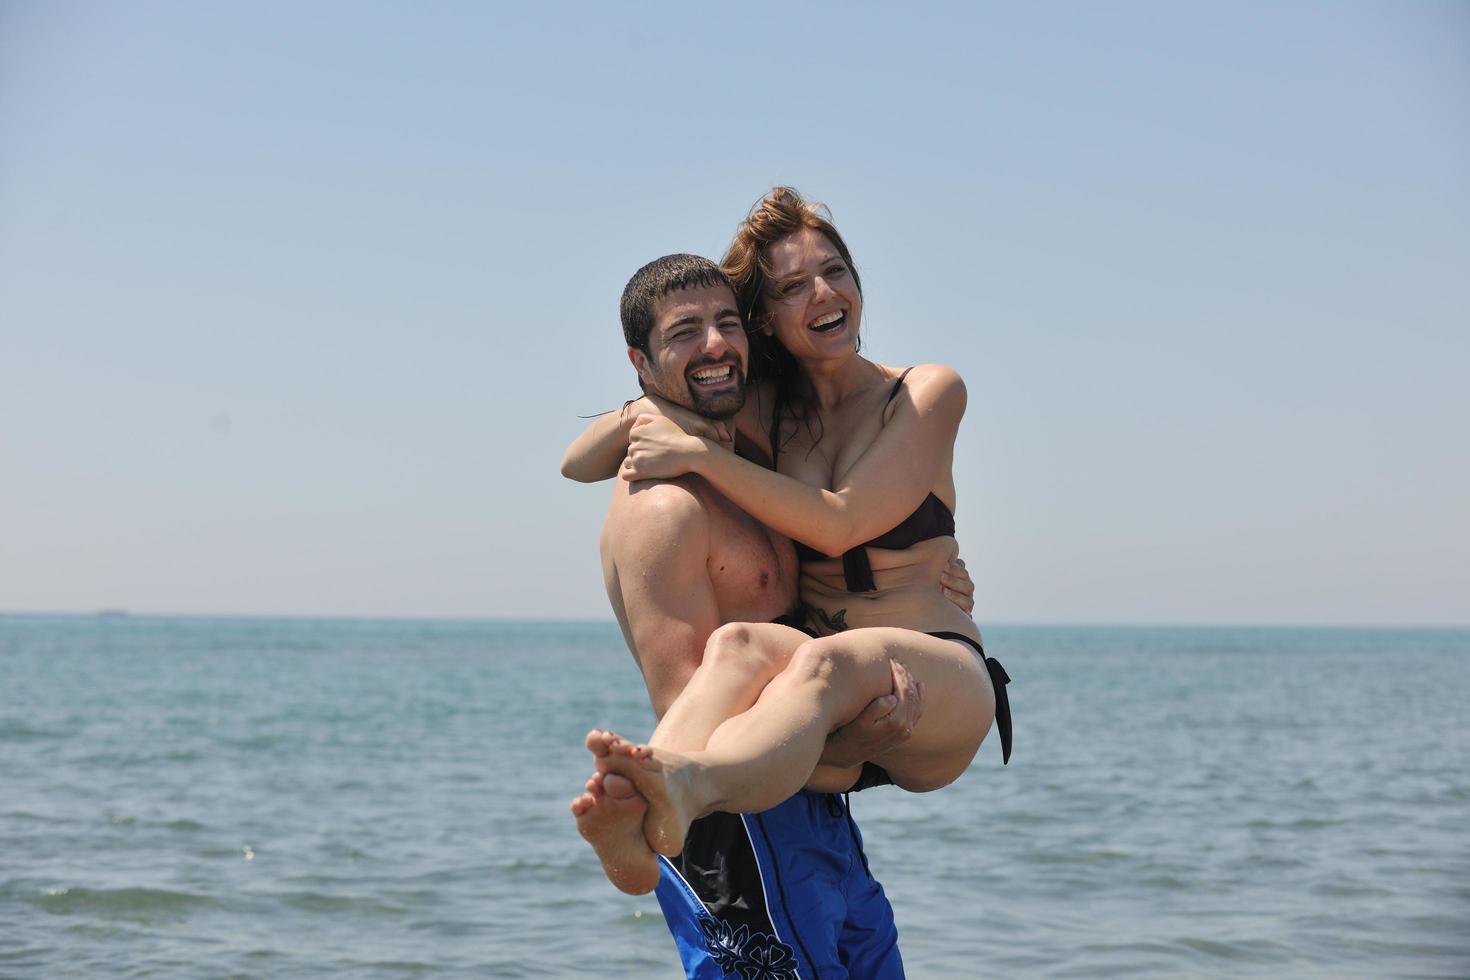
(715, 430)
(658, 449)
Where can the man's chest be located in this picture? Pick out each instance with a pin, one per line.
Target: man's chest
(753, 571)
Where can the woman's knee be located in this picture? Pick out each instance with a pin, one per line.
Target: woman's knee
(737, 647)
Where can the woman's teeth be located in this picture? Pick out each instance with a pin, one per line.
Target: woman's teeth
(829, 322)
(712, 375)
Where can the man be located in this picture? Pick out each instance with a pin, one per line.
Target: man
(787, 890)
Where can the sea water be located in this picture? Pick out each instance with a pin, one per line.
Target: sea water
(294, 798)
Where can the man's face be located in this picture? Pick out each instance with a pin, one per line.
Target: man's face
(697, 351)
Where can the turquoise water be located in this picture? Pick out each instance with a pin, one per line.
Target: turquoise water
(289, 798)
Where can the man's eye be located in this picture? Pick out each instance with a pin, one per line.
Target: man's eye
(681, 335)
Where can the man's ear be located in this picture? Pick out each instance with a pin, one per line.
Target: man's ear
(640, 364)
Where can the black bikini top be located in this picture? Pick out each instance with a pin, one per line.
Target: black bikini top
(933, 519)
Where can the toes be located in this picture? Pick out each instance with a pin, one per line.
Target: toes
(594, 741)
(618, 787)
(620, 746)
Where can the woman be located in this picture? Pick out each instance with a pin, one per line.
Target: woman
(862, 453)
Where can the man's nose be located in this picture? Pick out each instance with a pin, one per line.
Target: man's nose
(714, 340)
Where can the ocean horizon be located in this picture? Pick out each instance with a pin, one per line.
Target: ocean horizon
(123, 612)
(266, 796)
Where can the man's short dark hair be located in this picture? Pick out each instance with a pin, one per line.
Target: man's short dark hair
(659, 278)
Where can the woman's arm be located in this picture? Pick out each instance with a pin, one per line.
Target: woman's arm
(596, 454)
(894, 475)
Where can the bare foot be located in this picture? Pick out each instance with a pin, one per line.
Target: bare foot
(610, 816)
(662, 777)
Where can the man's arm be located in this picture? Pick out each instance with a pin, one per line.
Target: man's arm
(661, 551)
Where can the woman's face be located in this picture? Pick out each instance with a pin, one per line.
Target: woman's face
(812, 303)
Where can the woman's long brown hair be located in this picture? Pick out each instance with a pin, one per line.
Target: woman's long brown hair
(780, 213)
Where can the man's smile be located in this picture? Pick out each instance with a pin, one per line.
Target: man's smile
(714, 375)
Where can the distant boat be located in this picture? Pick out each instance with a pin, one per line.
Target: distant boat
(112, 613)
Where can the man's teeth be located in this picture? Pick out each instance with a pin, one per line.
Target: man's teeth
(713, 375)
(826, 321)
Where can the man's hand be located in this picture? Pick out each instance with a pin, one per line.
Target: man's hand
(957, 585)
(886, 723)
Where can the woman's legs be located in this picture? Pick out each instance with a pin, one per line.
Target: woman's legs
(739, 660)
(758, 758)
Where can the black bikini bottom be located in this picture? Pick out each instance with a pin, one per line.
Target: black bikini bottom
(873, 775)
(998, 679)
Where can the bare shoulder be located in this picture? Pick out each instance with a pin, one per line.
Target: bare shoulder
(673, 500)
(935, 387)
(666, 510)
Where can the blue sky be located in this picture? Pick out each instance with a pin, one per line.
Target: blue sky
(299, 304)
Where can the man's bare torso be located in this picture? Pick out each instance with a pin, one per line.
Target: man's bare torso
(752, 570)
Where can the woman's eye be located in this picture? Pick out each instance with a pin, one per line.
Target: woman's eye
(835, 271)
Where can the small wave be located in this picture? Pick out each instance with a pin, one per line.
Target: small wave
(1232, 951)
(1301, 823)
(27, 816)
(1024, 818)
(1099, 950)
(1259, 859)
(114, 759)
(347, 852)
(412, 968)
(1081, 857)
(15, 730)
(517, 864)
(1167, 882)
(322, 902)
(268, 740)
(1349, 889)
(121, 902)
(215, 852)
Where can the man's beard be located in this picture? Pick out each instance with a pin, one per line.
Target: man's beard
(717, 405)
